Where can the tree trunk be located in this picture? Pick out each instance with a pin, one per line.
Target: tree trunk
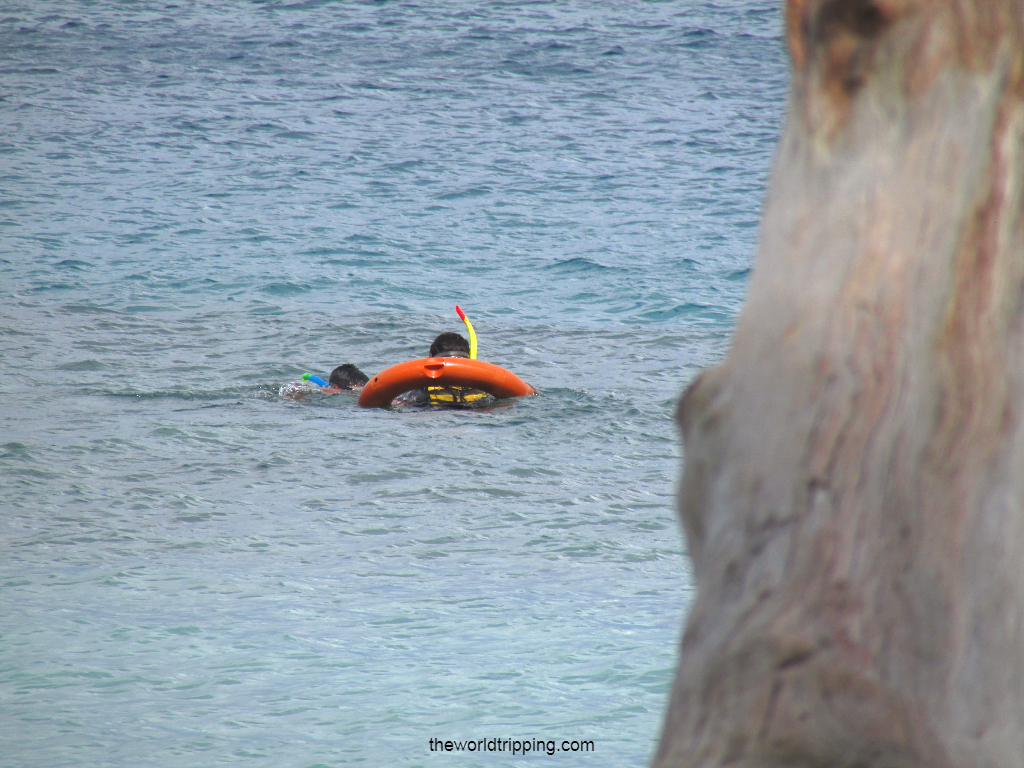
(853, 491)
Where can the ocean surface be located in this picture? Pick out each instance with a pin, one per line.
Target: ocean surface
(201, 201)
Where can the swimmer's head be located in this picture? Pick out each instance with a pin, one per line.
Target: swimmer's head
(347, 376)
(449, 345)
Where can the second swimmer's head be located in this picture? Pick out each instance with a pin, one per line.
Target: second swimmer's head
(450, 345)
(347, 376)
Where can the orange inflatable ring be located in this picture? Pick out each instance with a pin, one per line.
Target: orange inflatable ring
(441, 372)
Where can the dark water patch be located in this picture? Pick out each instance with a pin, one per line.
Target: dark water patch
(359, 238)
(83, 365)
(31, 472)
(405, 165)
(15, 450)
(259, 127)
(29, 71)
(73, 264)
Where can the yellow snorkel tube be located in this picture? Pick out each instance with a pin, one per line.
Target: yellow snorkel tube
(472, 333)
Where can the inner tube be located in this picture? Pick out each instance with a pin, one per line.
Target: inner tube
(441, 371)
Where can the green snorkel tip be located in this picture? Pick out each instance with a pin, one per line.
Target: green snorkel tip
(315, 379)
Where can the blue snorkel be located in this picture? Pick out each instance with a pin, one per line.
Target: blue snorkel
(315, 379)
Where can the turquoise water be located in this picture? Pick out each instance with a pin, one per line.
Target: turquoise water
(202, 201)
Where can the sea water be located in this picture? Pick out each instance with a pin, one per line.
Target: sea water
(201, 201)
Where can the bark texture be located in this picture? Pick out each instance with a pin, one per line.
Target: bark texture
(853, 490)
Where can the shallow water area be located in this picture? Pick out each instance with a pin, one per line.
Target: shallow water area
(203, 201)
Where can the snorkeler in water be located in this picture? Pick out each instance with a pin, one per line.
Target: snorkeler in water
(344, 378)
(448, 344)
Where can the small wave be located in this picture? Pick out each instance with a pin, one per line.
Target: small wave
(353, 256)
(700, 32)
(86, 309)
(689, 310)
(372, 263)
(263, 127)
(53, 287)
(285, 289)
(73, 264)
(470, 192)
(578, 264)
(405, 165)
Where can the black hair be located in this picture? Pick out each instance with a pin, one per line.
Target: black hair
(347, 376)
(448, 343)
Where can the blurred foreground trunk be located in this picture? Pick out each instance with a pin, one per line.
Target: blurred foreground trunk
(853, 494)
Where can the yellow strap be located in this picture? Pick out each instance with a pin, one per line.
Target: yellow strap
(439, 395)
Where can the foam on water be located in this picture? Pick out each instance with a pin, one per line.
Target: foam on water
(201, 202)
